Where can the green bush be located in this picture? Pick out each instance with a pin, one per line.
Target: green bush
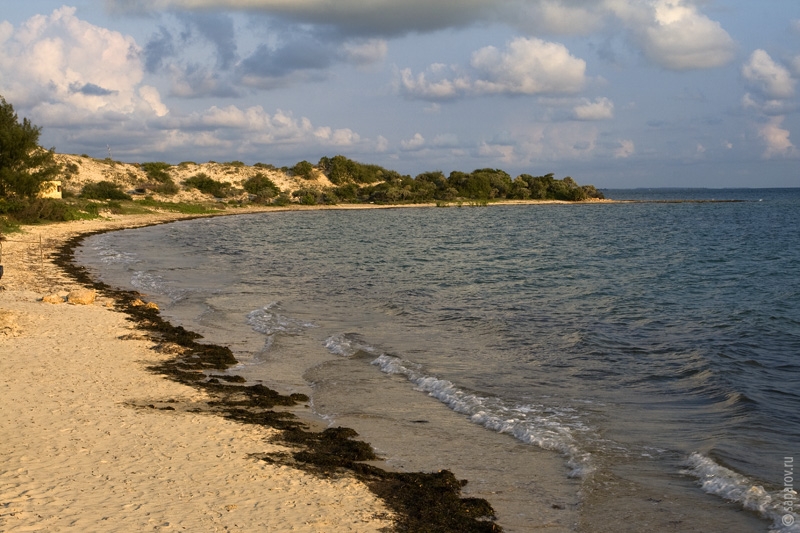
(205, 184)
(167, 188)
(157, 171)
(8, 226)
(262, 186)
(308, 196)
(348, 193)
(282, 200)
(103, 190)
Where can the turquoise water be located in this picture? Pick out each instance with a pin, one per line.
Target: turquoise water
(650, 347)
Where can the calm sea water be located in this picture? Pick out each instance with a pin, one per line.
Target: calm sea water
(631, 366)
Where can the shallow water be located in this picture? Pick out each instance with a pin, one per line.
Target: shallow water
(628, 366)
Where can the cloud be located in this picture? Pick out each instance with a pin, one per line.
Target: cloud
(85, 84)
(287, 55)
(674, 34)
(247, 132)
(417, 142)
(446, 140)
(554, 16)
(60, 66)
(198, 81)
(349, 17)
(216, 28)
(90, 89)
(198, 31)
(600, 109)
(364, 53)
(532, 145)
(160, 46)
(434, 84)
(771, 80)
(625, 149)
(776, 139)
(527, 66)
(299, 60)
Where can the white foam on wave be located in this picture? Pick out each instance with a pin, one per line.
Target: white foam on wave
(347, 345)
(153, 283)
(109, 255)
(547, 428)
(725, 483)
(269, 321)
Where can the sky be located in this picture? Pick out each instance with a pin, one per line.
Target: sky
(616, 93)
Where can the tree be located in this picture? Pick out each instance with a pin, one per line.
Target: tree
(24, 165)
(304, 169)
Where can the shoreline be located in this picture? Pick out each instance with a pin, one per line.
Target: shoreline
(331, 473)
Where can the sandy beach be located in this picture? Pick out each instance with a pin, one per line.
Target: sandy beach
(89, 445)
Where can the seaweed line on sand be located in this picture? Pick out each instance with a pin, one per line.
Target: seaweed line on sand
(421, 502)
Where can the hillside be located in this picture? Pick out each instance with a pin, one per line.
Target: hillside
(78, 170)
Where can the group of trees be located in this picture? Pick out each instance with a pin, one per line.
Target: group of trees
(25, 166)
(357, 182)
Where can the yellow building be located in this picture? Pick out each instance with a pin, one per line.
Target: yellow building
(50, 189)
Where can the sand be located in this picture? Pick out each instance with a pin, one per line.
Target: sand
(81, 450)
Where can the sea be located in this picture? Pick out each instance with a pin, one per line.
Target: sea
(591, 367)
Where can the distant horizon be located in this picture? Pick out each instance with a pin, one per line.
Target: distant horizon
(619, 94)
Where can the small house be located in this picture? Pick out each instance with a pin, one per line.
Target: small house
(50, 189)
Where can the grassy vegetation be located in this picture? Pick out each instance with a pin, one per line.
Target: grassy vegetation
(25, 211)
(176, 207)
(104, 190)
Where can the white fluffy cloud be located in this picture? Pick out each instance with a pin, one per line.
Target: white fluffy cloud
(84, 84)
(776, 139)
(674, 34)
(60, 66)
(417, 142)
(524, 67)
(528, 66)
(767, 77)
(600, 109)
(433, 84)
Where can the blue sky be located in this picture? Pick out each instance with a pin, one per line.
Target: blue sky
(617, 93)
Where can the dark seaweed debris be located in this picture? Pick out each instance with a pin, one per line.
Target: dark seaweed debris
(422, 502)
